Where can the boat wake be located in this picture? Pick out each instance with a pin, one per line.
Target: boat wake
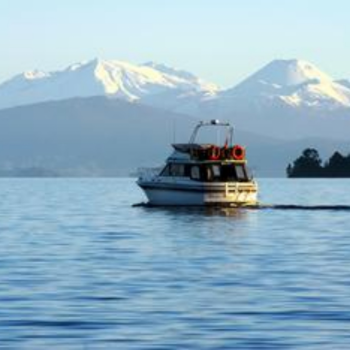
(261, 207)
(303, 207)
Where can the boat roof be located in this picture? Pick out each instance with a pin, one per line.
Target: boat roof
(188, 147)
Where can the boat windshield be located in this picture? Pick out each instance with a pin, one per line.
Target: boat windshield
(215, 172)
(225, 172)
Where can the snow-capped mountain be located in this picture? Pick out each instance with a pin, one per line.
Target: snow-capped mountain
(101, 77)
(295, 83)
(287, 100)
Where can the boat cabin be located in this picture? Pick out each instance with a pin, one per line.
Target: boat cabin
(208, 171)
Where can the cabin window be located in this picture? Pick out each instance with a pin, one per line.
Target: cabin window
(165, 171)
(216, 171)
(177, 170)
(195, 172)
(240, 173)
(187, 170)
(207, 174)
(211, 173)
(228, 172)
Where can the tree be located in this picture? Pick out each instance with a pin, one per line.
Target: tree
(337, 166)
(309, 164)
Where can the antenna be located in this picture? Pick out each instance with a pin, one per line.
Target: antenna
(174, 130)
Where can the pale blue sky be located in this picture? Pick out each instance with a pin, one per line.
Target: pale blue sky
(220, 40)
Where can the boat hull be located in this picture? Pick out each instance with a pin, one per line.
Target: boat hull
(202, 194)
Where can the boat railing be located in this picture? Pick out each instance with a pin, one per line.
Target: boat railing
(148, 173)
(214, 122)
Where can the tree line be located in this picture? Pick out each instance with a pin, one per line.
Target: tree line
(309, 164)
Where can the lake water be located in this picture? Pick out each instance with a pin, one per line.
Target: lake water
(81, 268)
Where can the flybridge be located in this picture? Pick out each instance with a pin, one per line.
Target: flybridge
(211, 152)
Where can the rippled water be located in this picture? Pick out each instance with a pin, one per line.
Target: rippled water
(81, 269)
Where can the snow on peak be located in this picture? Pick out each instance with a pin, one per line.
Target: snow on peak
(295, 82)
(288, 73)
(293, 72)
(170, 70)
(184, 77)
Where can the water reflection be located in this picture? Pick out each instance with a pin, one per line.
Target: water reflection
(237, 213)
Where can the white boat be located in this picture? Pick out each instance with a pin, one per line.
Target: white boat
(202, 175)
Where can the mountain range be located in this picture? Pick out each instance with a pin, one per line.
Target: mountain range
(133, 83)
(77, 118)
(294, 83)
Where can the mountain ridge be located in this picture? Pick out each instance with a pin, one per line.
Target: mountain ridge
(296, 83)
(97, 78)
(287, 99)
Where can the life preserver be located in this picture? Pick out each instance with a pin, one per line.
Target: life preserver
(238, 152)
(214, 153)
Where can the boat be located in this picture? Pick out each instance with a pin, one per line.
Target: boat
(202, 174)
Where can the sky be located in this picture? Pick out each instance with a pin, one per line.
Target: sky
(222, 41)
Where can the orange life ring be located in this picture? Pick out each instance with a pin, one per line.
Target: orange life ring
(238, 152)
(214, 153)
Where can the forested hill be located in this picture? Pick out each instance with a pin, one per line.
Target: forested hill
(309, 164)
